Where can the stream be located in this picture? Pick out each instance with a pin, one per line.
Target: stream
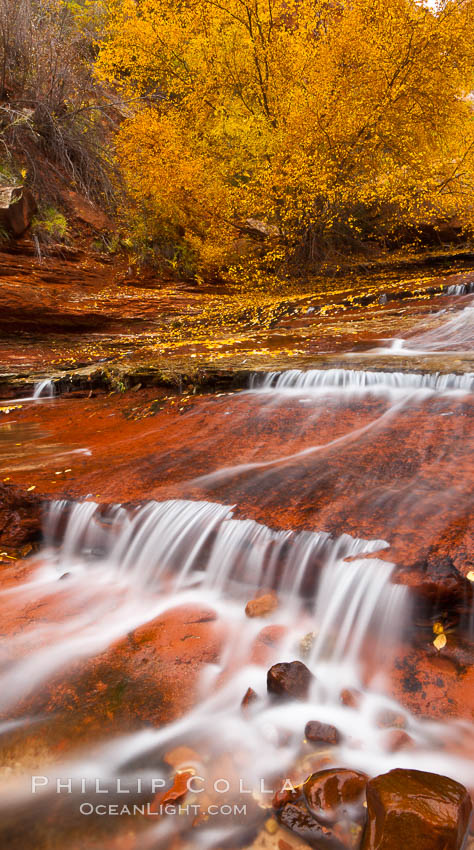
(340, 494)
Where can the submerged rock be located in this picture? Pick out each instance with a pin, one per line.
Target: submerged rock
(17, 208)
(413, 809)
(350, 697)
(262, 605)
(397, 739)
(289, 679)
(321, 733)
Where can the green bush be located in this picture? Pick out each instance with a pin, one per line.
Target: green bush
(50, 226)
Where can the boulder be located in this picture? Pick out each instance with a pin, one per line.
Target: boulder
(17, 208)
(290, 680)
(413, 809)
(321, 733)
(260, 229)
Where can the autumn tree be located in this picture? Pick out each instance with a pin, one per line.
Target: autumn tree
(338, 121)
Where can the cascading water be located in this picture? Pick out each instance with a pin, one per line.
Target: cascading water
(197, 543)
(455, 332)
(460, 288)
(106, 570)
(358, 381)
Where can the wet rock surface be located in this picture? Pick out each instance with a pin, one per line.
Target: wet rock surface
(409, 808)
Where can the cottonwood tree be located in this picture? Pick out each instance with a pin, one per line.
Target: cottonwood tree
(340, 121)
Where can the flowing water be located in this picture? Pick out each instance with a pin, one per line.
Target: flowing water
(450, 332)
(105, 571)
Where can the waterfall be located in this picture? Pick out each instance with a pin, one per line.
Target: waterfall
(43, 389)
(197, 544)
(354, 598)
(460, 288)
(358, 381)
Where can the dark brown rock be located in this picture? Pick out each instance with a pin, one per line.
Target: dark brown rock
(17, 208)
(336, 795)
(289, 679)
(321, 733)
(413, 809)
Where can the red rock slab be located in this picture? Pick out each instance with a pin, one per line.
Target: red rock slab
(382, 480)
(435, 684)
(151, 676)
(20, 517)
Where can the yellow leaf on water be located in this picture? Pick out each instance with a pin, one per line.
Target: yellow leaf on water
(440, 642)
(33, 487)
(438, 628)
(470, 575)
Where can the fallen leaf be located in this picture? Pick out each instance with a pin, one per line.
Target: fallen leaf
(440, 642)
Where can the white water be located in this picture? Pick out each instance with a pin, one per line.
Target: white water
(451, 332)
(460, 289)
(43, 389)
(354, 381)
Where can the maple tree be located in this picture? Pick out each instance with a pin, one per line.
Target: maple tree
(337, 121)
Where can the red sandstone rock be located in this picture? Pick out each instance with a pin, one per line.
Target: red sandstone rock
(336, 795)
(289, 679)
(20, 517)
(413, 809)
(397, 739)
(261, 606)
(321, 733)
(350, 697)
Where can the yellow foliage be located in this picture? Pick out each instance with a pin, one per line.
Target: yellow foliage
(339, 121)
